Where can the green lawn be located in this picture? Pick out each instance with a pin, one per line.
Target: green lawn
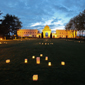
(19, 73)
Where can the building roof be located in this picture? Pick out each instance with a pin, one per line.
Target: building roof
(27, 30)
(46, 28)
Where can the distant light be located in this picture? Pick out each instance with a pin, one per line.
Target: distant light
(8, 61)
(35, 77)
(39, 43)
(45, 43)
(37, 60)
(48, 43)
(25, 61)
(51, 43)
(41, 55)
(0, 43)
(62, 63)
(42, 43)
(49, 63)
(33, 57)
(1, 38)
(46, 58)
(6, 42)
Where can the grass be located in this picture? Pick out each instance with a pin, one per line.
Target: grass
(19, 73)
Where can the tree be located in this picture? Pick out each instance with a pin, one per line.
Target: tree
(71, 26)
(51, 35)
(77, 23)
(80, 22)
(42, 35)
(0, 14)
(3, 30)
(11, 23)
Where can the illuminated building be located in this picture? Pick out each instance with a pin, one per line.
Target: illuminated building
(27, 32)
(46, 32)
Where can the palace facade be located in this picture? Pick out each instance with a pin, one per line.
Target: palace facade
(46, 32)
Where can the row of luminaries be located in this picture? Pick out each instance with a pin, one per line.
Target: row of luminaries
(46, 43)
(35, 76)
(4, 42)
(37, 60)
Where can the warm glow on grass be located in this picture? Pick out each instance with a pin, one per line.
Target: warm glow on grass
(8, 61)
(0, 43)
(33, 57)
(25, 61)
(51, 43)
(46, 58)
(62, 63)
(49, 63)
(1, 38)
(39, 43)
(37, 60)
(45, 43)
(35, 77)
(41, 55)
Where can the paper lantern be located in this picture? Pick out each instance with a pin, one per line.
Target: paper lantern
(49, 63)
(46, 58)
(45, 43)
(62, 63)
(25, 61)
(8, 61)
(37, 60)
(0, 43)
(39, 43)
(41, 55)
(35, 77)
(33, 57)
(6, 42)
(0, 38)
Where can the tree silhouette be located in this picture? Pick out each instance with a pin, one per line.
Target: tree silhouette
(11, 23)
(0, 14)
(51, 35)
(77, 23)
(42, 35)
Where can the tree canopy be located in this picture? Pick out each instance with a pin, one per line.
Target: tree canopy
(9, 24)
(77, 23)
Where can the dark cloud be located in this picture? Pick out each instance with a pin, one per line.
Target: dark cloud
(33, 11)
(56, 20)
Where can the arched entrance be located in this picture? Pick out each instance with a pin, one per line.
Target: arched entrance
(46, 35)
(46, 32)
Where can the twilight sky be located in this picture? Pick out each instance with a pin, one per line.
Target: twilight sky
(35, 14)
